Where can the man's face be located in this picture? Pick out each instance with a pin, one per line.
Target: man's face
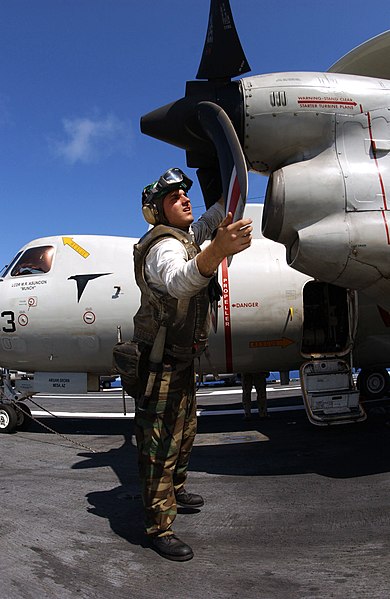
(177, 209)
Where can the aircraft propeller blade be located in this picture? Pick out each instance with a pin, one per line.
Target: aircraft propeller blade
(223, 56)
(218, 127)
(208, 122)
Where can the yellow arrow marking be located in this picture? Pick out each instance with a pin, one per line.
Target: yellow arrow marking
(283, 342)
(75, 246)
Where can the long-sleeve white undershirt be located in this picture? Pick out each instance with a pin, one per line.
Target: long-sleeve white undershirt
(166, 266)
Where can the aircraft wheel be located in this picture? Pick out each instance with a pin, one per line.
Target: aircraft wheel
(373, 384)
(8, 419)
(23, 414)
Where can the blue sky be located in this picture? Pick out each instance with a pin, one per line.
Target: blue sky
(77, 75)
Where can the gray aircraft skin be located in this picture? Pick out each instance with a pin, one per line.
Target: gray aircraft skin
(64, 299)
(322, 138)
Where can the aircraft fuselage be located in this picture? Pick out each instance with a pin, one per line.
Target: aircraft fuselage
(269, 318)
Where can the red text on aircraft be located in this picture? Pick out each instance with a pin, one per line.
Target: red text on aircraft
(226, 317)
(318, 102)
(245, 305)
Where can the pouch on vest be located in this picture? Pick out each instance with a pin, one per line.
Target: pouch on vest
(126, 357)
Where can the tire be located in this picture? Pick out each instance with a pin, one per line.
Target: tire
(23, 417)
(8, 418)
(373, 384)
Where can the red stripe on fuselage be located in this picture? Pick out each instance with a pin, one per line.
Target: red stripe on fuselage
(226, 316)
(381, 183)
(337, 102)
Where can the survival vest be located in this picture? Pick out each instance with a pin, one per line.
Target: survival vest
(187, 320)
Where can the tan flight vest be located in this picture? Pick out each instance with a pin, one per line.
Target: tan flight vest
(187, 320)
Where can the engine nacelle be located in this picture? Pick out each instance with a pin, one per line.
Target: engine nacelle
(333, 229)
(300, 195)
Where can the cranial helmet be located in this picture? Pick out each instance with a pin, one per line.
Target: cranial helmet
(153, 194)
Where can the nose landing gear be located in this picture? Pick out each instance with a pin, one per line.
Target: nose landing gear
(14, 415)
(8, 418)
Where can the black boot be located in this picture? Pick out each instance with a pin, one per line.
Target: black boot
(172, 548)
(185, 499)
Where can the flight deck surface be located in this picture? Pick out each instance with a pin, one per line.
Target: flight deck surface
(291, 511)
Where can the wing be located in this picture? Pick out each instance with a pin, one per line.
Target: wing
(371, 59)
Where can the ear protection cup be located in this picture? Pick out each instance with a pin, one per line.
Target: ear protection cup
(150, 213)
(153, 194)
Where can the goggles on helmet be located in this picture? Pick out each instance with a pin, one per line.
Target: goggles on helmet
(172, 179)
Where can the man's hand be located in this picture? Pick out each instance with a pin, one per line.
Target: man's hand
(231, 238)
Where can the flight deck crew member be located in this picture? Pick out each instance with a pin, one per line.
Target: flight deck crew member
(259, 380)
(173, 275)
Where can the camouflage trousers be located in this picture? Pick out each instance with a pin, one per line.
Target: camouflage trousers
(165, 427)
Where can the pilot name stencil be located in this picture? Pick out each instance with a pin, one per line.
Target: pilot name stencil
(30, 285)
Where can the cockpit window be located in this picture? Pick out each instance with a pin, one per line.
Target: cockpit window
(5, 270)
(34, 261)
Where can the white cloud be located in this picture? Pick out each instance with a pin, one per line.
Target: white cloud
(89, 140)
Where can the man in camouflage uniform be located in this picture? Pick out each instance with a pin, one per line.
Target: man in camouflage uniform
(172, 323)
